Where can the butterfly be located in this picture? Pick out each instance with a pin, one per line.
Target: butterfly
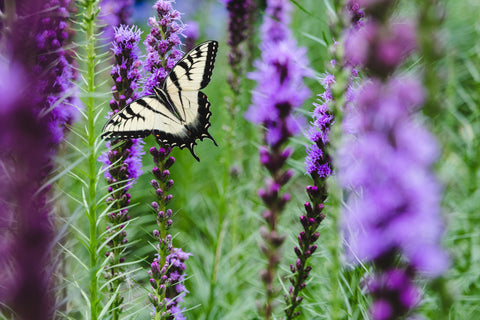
(178, 113)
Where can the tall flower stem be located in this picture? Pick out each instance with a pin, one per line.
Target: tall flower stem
(89, 17)
(166, 271)
(123, 158)
(281, 68)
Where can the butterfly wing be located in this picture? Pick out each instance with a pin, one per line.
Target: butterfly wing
(191, 74)
(178, 114)
(138, 119)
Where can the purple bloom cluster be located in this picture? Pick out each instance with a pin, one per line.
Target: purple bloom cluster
(115, 13)
(169, 280)
(36, 87)
(192, 33)
(279, 92)
(162, 44)
(126, 72)
(56, 87)
(123, 160)
(380, 48)
(396, 209)
(318, 162)
(390, 160)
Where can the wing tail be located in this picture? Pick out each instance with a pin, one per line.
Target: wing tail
(208, 136)
(193, 152)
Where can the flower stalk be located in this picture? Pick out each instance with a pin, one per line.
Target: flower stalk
(122, 160)
(318, 165)
(167, 269)
(281, 69)
(88, 24)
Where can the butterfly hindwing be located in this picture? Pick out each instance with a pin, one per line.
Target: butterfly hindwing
(191, 131)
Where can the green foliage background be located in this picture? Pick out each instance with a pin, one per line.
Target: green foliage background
(218, 212)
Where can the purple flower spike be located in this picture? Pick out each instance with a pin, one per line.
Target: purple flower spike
(279, 92)
(396, 210)
(123, 160)
(172, 273)
(163, 51)
(239, 12)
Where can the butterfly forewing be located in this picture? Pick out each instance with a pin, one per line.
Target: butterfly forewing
(193, 71)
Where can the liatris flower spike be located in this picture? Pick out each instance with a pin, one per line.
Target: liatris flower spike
(390, 162)
(123, 160)
(279, 76)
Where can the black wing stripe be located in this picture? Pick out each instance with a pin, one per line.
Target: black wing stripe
(207, 73)
(132, 113)
(143, 103)
(184, 65)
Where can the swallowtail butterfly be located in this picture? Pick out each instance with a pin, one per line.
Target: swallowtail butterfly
(178, 113)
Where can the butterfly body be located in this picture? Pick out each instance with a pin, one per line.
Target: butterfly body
(177, 114)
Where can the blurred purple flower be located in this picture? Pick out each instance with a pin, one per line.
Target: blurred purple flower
(402, 293)
(390, 160)
(280, 90)
(57, 89)
(355, 13)
(395, 209)
(36, 86)
(380, 49)
(276, 21)
(192, 33)
(113, 14)
(162, 44)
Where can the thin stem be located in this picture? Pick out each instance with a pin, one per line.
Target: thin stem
(89, 16)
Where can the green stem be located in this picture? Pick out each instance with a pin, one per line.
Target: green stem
(89, 16)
